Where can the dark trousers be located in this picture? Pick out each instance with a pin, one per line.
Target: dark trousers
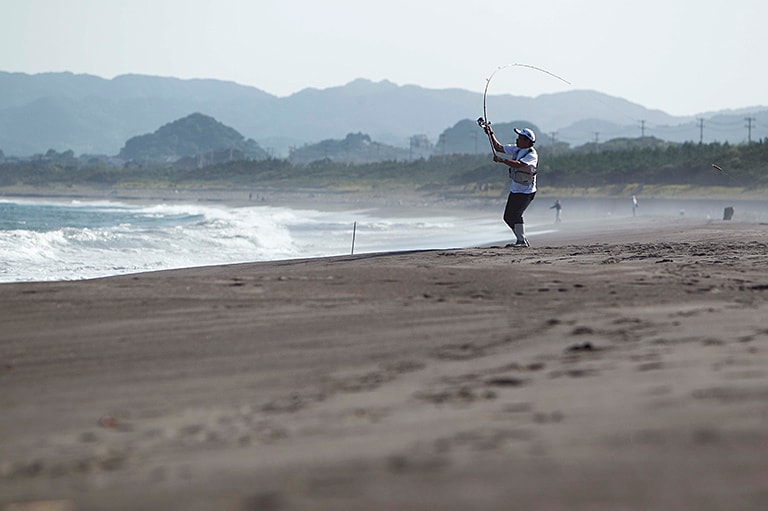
(516, 205)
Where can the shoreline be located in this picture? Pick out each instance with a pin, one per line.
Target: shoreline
(582, 217)
(411, 203)
(240, 196)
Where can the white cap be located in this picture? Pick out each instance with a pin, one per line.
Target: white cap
(527, 133)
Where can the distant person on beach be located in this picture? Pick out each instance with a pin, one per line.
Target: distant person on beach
(557, 207)
(634, 206)
(522, 162)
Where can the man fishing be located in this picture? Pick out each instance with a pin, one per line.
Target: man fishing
(522, 162)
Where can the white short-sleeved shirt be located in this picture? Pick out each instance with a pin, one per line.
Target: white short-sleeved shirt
(527, 156)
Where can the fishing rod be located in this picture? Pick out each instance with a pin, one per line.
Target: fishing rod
(483, 121)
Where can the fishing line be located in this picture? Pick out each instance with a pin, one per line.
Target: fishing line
(594, 96)
(722, 171)
(483, 121)
(719, 169)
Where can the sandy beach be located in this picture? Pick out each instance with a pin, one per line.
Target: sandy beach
(619, 368)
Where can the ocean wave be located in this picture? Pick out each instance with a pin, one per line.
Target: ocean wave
(48, 240)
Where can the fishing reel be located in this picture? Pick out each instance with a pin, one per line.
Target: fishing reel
(486, 125)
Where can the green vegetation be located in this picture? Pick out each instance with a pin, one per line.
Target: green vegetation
(688, 164)
(193, 135)
(616, 167)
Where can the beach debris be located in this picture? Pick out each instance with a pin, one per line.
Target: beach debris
(586, 346)
(107, 421)
(506, 381)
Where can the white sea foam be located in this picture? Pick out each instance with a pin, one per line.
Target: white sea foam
(63, 241)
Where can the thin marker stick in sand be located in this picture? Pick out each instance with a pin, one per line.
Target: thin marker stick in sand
(354, 232)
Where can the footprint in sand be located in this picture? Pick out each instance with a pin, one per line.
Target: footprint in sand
(463, 351)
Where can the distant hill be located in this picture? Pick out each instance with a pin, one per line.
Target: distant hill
(354, 148)
(92, 115)
(466, 137)
(194, 135)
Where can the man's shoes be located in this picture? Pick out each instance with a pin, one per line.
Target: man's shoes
(519, 244)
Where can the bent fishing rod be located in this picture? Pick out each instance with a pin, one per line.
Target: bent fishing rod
(483, 121)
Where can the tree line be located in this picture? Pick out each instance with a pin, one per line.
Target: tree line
(618, 162)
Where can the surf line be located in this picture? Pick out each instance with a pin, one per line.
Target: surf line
(483, 121)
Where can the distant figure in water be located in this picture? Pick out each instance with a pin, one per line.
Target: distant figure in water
(557, 207)
(522, 160)
(634, 206)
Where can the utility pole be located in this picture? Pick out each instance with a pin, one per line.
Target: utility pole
(701, 130)
(642, 129)
(749, 120)
(553, 136)
(597, 135)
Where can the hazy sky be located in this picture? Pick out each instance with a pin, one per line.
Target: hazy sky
(681, 56)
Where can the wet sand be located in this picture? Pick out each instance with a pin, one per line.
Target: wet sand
(617, 368)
